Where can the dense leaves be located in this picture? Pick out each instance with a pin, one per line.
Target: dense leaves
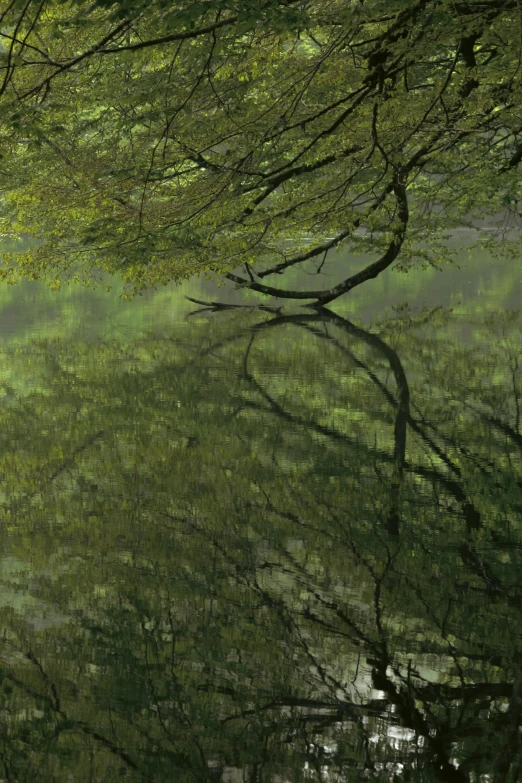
(161, 140)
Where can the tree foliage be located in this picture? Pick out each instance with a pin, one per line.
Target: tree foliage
(161, 140)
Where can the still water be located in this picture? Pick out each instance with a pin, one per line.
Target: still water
(262, 546)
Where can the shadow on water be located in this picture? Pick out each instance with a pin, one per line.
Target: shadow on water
(263, 547)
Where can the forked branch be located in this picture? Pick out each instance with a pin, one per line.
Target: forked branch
(325, 296)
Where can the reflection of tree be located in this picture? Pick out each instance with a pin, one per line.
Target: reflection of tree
(284, 547)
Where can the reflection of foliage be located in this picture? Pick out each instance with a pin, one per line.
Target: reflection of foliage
(214, 581)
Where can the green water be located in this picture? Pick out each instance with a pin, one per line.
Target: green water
(260, 547)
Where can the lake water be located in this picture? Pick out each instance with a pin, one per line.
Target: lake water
(263, 546)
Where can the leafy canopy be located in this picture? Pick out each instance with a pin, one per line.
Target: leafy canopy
(157, 140)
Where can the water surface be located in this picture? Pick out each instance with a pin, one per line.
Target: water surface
(262, 546)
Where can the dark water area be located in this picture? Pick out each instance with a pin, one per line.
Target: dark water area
(260, 547)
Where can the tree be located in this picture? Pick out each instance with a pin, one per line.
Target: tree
(161, 140)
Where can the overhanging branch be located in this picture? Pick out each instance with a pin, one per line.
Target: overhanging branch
(325, 296)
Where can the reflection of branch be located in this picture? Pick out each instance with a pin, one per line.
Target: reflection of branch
(339, 710)
(214, 306)
(413, 718)
(509, 755)
(70, 723)
(403, 417)
(493, 585)
(322, 429)
(295, 520)
(70, 460)
(471, 513)
(403, 401)
(410, 715)
(512, 434)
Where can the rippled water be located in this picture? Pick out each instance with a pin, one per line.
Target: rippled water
(262, 547)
